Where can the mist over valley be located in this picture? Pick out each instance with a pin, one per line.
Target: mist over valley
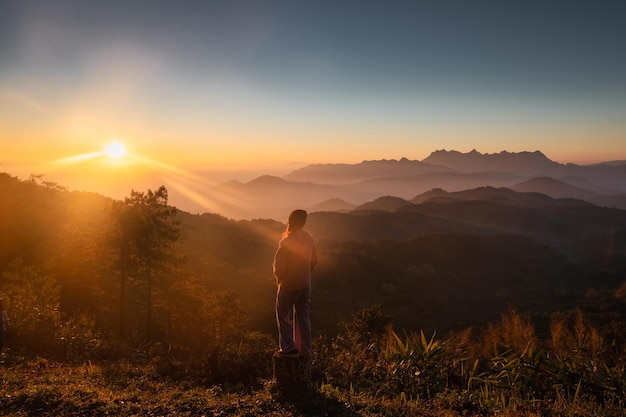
(332, 187)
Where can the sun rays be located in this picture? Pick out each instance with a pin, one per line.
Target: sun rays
(114, 163)
(112, 151)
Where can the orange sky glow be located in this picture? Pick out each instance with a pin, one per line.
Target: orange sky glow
(210, 92)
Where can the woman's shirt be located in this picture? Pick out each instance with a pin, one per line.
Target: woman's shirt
(294, 260)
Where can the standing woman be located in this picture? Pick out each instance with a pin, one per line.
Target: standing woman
(295, 258)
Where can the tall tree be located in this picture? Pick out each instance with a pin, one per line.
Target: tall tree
(145, 231)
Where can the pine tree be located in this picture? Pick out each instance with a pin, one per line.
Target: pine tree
(145, 231)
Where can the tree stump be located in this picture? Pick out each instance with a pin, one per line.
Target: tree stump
(292, 376)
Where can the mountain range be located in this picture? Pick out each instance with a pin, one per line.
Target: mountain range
(439, 260)
(344, 187)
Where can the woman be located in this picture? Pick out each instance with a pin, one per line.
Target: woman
(295, 258)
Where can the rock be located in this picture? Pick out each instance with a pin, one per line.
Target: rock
(292, 376)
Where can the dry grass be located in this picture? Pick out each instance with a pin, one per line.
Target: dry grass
(37, 387)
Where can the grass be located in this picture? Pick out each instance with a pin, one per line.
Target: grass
(38, 387)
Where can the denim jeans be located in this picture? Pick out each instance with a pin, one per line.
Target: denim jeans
(294, 322)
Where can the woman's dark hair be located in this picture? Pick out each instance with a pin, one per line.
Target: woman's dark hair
(297, 219)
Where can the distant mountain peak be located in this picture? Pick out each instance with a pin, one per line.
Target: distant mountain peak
(474, 152)
(524, 163)
(267, 179)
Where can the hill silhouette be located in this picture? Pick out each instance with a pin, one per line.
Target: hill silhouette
(501, 195)
(554, 188)
(334, 204)
(387, 203)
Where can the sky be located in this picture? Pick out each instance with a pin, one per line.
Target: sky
(208, 87)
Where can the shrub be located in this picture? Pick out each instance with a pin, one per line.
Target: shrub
(32, 305)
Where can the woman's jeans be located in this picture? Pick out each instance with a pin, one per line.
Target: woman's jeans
(294, 322)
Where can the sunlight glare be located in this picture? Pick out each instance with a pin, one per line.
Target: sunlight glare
(115, 150)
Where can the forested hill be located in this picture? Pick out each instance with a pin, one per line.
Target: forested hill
(442, 263)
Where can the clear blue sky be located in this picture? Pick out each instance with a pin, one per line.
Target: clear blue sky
(189, 83)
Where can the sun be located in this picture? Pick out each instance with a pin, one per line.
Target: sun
(115, 150)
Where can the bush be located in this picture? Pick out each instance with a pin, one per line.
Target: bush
(31, 300)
